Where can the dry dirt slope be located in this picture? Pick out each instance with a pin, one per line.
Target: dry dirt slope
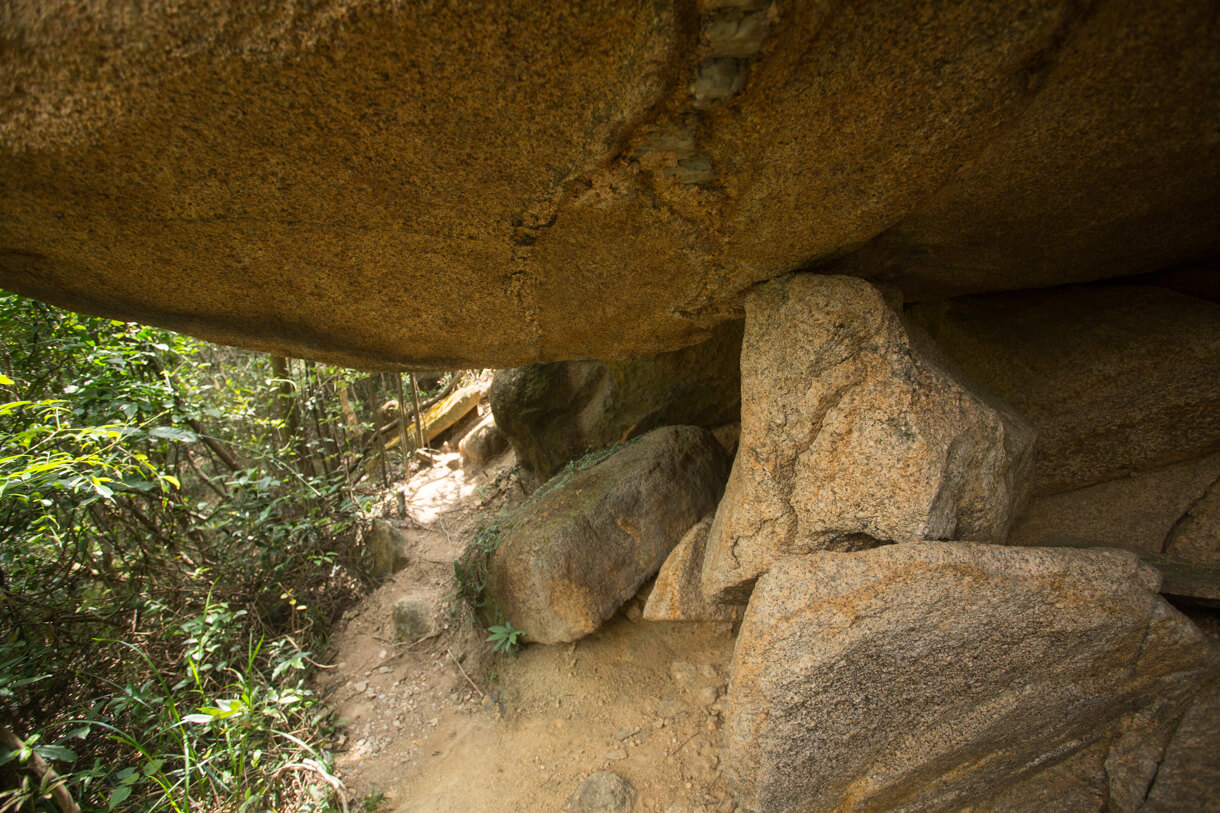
(443, 725)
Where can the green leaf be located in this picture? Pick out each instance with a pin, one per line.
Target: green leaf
(118, 796)
(173, 433)
(57, 752)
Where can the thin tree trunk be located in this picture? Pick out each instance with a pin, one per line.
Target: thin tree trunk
(402, 425)
(289, 409)
(431, 401)
(419, 427)
(379, 439)
(219, 449)
(208, 481)
(315, 391)
(349, 412)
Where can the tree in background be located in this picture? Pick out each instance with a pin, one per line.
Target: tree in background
(176, 526)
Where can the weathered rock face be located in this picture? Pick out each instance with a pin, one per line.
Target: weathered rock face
(603, 792)
(929, 676)
(1113, 773)
(495, 184)
(1196, 535)
(413, 617)
(855, 433)
(587, 541)
(385, 549)
(1166, 510)
(1037, 192)
(482, 443)
(1078, 784)
(1115, 379)
(677, 594)
(554, 413)
(1190, 767)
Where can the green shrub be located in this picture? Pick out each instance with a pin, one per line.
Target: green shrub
(170, 553)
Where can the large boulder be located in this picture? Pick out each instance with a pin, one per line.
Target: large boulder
(1170, 510)
(855, 432)
(1115, 379)
(1180, 756)
(1052, 190)
(495, 184)
(933, 675)
(585, 542)
(554, 413)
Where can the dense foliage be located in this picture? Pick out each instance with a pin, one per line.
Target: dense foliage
(175, 519)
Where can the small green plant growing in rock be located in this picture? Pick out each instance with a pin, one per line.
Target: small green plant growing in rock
(505, 638)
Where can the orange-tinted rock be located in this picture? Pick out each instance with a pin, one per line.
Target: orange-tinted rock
(585, 542)
(677, 594)
(498, 183)
(934, 675)
(854, 433)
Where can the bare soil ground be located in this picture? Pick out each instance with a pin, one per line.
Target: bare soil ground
(443, 724)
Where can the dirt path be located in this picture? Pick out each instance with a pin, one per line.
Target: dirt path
(444, 725)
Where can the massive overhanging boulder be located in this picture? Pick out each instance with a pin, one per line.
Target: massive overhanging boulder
(502, 183)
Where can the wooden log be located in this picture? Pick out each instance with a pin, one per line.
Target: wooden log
(445, 414)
